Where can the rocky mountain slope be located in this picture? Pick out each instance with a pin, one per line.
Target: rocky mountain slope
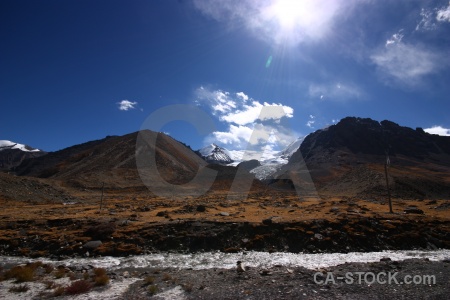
(13, 154)
(112, 161)
(349, 157)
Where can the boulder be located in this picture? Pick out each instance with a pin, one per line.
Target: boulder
(92, 245)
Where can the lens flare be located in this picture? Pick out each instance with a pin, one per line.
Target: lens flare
(269, 61)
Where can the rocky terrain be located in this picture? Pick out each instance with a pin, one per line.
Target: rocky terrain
(386, 278)
(278, 222)
(101, 198)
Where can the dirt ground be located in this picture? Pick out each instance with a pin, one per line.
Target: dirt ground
(278, 222)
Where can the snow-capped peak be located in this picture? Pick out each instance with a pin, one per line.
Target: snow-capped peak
(4, 145)
(291, 148)
(215, 154)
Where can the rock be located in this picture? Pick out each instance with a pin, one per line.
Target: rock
(224, 213)
(201, 208)
(413, 210)
(385, 259)
(267, 221)
(92, 245)
(334, 209)
(446, 260)
(265, 273)
(162, 214)
(318, 236)
(310, 247)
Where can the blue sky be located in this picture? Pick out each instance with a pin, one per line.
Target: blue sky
(74, 71)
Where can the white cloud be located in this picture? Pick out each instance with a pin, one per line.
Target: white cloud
(236, 135)
(443, 15)
(438, 130)
(220, 101)
(279, 21)
(335, 91)
(427, 21)
(396, 38)
(311, 121)
(241, 110)
(126, 105)
(251, 124)
(430, 18)
(406, 63)
(242, 96)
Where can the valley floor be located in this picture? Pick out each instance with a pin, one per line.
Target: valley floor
(280, 222)
(269, 223)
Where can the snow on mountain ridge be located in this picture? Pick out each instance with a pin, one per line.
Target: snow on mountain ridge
(291, 148)
(5, 144)
(215, 154)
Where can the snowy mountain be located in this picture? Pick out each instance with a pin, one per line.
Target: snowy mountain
(215, 154)
(5, 145)
(13, 154)
(271, 161)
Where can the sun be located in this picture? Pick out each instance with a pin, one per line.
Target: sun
(290, 14)
(286, 12)
(296, 20)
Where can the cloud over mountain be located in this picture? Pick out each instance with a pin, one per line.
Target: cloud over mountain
(250, 123)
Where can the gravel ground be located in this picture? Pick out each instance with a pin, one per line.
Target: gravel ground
(280, 282)
(385, 279)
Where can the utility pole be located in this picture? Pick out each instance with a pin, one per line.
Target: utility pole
(101, 198)
(386, 165)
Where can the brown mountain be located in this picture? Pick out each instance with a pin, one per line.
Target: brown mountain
(112, 161)
(348, 159)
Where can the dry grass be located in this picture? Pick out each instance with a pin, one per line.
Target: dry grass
(79, 287)
(166, 277)
(20, 274)
(99, 271)
(149, 280)
(101, 280)
(153, 289)
(60, 273)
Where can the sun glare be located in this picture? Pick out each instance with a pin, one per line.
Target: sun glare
(290, 13)
(296, 20)
(286, 12)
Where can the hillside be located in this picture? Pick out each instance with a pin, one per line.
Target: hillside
(112, 161)
(348, 159)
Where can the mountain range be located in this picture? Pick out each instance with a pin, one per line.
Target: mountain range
(347, 158)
